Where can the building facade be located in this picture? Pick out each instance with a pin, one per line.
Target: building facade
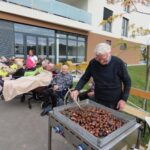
(67, 29)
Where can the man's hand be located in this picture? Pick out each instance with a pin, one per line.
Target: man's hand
(56, 87)
(74, 95)
(37, 73)
(121, 104)
(90, 94)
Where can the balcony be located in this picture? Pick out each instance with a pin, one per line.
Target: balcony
(57, 8)
(81, 4)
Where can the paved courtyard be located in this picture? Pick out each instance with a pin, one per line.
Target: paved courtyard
(24, 129)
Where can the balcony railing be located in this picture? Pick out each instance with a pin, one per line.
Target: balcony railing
(56, 8)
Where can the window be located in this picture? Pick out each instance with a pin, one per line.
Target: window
(42, 44)
(107, 13)
(33, 30)
(72, 37)
(72, 50)
(108, 42)
(58, 46)
(127, 8)
(123, 46)
(51, 45)
(19, 44)
(61, 49)
(61, 35)
(31, 43)
(81, 51)
(125, 23)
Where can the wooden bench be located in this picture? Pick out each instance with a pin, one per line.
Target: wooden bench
(137, 112)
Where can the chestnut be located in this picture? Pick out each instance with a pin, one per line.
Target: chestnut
(96, 121)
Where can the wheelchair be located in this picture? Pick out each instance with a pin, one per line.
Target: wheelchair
(62, 98)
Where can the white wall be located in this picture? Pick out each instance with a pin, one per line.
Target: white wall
(38, 15)
(96, 8)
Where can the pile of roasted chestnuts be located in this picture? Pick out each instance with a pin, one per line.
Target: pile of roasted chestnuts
(97, 121)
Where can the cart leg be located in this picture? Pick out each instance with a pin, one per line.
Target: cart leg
(144, 128)
(22, 98)
(138, 138)
(49, 136)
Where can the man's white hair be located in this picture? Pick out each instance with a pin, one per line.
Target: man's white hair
(45, 63)
(19, 64)
(102, 48)
(65, 66)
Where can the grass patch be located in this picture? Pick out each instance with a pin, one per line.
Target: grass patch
(138, 78)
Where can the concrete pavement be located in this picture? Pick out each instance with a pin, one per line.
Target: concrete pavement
(24, 129)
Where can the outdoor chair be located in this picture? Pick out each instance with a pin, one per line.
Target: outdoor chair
(72, 66)
(58, 66)
(139, 113)
(82, 67)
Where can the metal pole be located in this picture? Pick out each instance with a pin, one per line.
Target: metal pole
(49, 135)
(147, 76)
(138, 138)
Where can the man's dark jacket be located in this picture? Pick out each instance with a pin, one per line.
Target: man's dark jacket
(112, 81)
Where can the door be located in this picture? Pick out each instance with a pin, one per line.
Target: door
(51, 49)
(31, 43)
(61, 48)
(42, 47)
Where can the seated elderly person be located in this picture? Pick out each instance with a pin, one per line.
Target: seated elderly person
(20, 70)
(51, 68)
(44, 63)
(58, 88)
(39, 69)
(3, 60)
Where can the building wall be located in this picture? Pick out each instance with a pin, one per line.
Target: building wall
(76, 48)
(96, 8)
(131, 55)
(96, 34)
(33, 14)
(6, 39)
(29, 21)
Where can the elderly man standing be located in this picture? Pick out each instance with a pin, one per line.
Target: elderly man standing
(112, 82)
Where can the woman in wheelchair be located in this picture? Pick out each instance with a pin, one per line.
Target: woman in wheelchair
(54, 95)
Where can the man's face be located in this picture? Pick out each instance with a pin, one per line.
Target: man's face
(103, 59)
(64, 70)
(49, 68)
